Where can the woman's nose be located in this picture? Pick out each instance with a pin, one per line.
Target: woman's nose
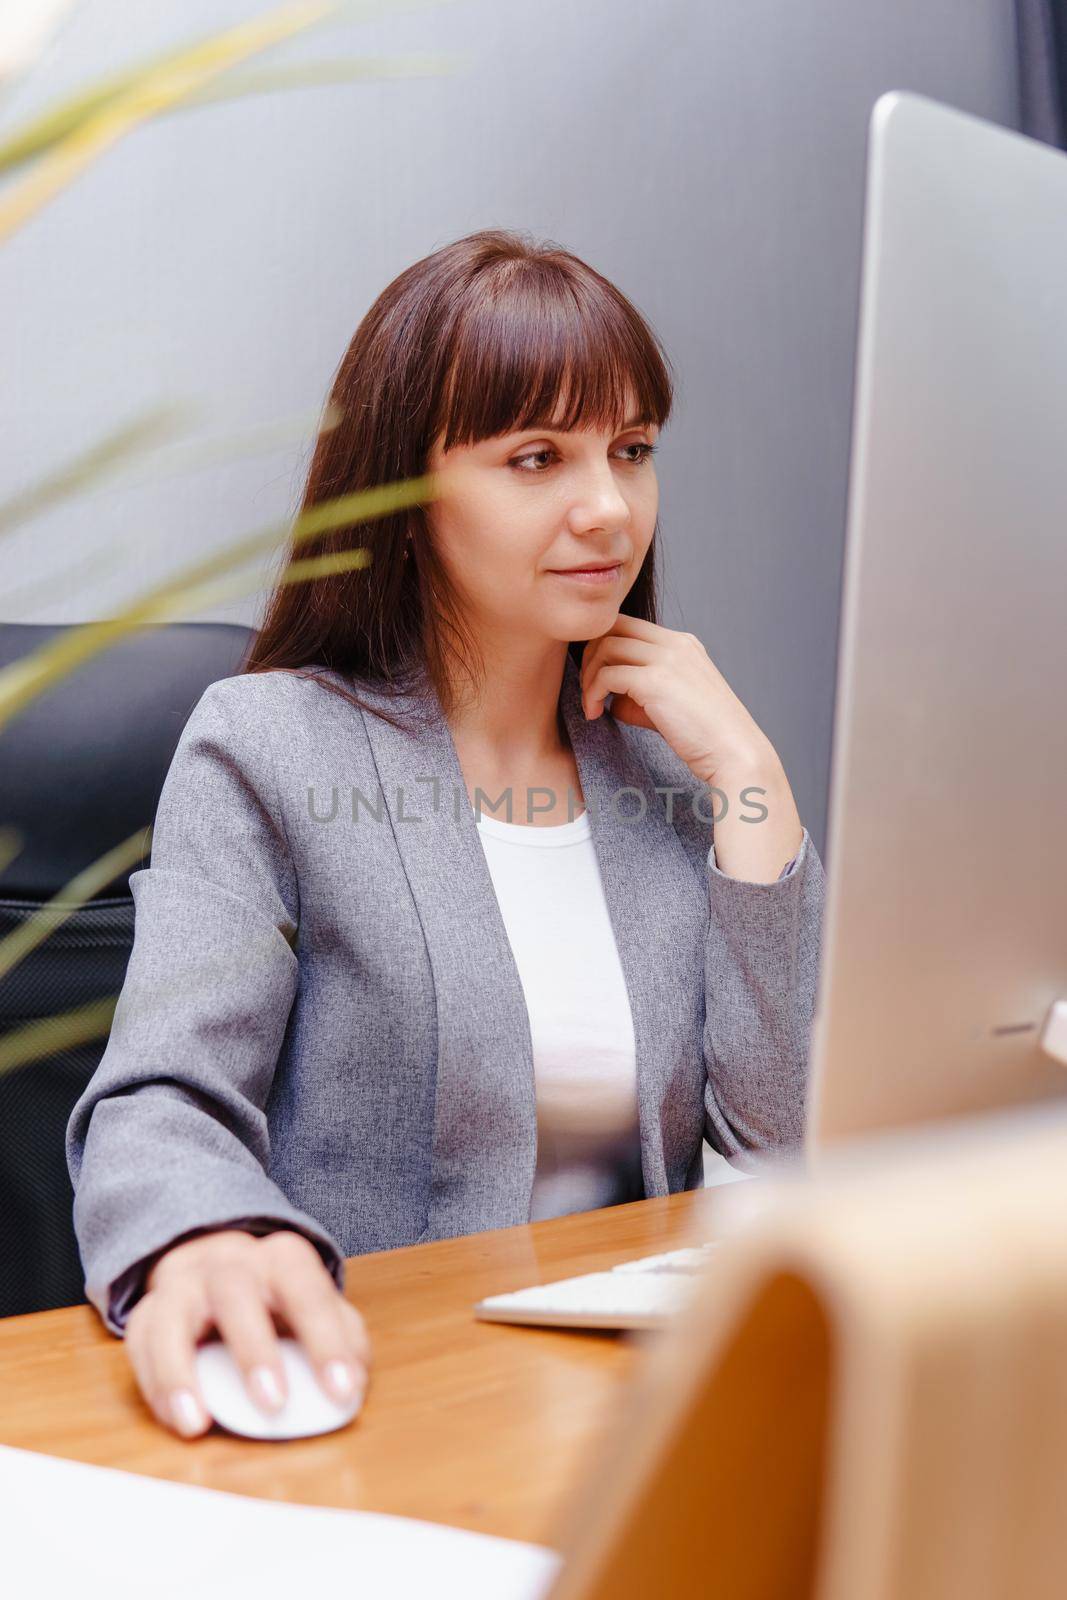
(598, 502)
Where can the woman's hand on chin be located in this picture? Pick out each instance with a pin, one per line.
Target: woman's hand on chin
(664, 679)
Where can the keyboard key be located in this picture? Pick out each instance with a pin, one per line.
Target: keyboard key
(635, 1294)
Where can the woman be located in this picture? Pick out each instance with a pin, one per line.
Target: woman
(360, 1012)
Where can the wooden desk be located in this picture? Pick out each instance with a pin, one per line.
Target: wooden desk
(480, 1425)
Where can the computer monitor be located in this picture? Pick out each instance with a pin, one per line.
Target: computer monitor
(944, 944)
(732, 1465)
(943, 955)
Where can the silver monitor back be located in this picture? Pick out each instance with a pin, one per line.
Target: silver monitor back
(945, 937)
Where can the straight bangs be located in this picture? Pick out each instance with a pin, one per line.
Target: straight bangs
(543, 344)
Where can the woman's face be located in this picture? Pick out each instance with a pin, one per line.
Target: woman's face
(517, 512)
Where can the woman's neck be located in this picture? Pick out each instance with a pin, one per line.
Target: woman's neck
(513, 720)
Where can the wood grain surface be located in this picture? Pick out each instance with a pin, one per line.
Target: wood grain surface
(479, 1425)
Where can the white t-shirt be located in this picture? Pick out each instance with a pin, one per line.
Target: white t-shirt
(548, 887)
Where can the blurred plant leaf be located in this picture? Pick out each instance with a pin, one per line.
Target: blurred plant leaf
(62, 906)
(40, 1039)
(23, 680)
(305, 74)
(148, 92)
(179, 458)
(36, 1040)
(44, 1036)
(77, 575)
(93, 465)
(64, 142)
(11, 842)
(190, 455)
(239, 585)
(63, 120)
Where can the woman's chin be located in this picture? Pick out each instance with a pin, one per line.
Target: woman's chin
(581, 622)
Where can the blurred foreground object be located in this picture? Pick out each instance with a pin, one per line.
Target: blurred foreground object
(868, 1397)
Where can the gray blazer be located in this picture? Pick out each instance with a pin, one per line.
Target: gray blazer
(322, 1025)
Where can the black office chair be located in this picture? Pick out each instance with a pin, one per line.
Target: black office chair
(81, 769)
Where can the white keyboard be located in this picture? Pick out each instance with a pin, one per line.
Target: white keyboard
(635, 1294)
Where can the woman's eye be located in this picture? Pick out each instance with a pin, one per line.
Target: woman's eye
(539, 460)
(532, 455)
(646, 451)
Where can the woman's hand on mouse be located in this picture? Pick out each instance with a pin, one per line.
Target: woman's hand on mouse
(236, 1283)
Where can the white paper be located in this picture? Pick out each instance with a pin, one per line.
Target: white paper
(96, 1532)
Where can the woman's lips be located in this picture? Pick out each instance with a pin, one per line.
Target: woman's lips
(595, 576)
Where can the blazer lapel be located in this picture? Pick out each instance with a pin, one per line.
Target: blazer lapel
(658, 908)
(484, 1146)
(485, 1124)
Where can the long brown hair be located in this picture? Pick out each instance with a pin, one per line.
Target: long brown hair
(483, 337)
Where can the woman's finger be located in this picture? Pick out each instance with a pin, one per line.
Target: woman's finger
(237, 1298)
(162, 1348)
(331, 1331)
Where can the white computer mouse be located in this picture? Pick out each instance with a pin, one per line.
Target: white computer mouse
(307, 1410)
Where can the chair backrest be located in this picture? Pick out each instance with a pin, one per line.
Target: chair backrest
(866, 1398)
(81, 769)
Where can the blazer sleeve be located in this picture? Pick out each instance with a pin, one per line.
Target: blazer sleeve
(170, 1135)
(761, 968)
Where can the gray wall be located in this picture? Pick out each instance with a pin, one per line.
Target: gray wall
(707, 156)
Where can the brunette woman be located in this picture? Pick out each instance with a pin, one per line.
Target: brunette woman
(477, 895)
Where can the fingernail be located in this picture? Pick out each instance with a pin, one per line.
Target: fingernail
(266, 1388)
(188, 1417)
(341, 1379)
